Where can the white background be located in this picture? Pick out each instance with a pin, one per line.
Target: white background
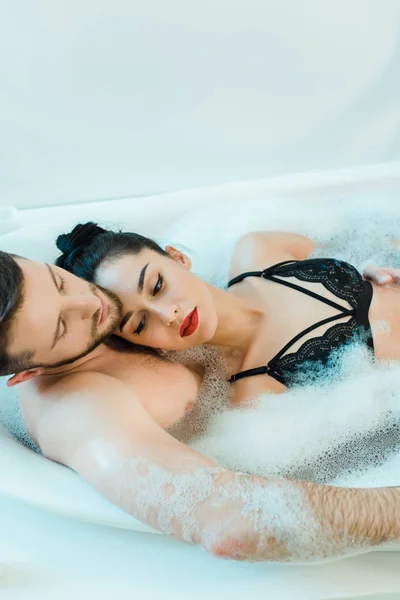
(103, 99)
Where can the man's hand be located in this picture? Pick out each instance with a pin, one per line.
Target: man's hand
(382, 275)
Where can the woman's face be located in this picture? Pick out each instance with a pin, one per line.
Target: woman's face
(164, 304)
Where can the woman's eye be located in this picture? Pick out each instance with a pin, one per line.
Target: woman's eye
(159, 285)
(141, 326)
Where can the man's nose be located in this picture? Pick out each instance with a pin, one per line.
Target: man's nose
(84, 305)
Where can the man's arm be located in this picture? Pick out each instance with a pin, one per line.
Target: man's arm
(95, 425)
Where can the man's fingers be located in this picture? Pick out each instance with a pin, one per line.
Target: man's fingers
(394, 273)
(378, 275)
(382, 275)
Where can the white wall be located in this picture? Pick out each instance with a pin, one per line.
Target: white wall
(109, 98)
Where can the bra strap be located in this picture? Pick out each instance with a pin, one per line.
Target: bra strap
(240, 278)
(345, 313)
(266, 369)
(269, 273)
(294, 286)
(269, 368)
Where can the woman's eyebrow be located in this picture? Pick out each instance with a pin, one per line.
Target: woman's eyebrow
(125, 319)
(140, 286)
(141, 279)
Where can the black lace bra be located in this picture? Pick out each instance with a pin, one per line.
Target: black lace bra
(346, 283)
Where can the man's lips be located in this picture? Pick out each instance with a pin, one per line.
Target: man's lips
(190, 324)
(103, 312)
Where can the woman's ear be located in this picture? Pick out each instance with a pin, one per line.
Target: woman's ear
(179, 256)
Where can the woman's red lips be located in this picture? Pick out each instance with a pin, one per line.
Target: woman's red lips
(190, 324)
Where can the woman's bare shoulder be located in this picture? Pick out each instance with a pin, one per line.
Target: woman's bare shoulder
(259, 250)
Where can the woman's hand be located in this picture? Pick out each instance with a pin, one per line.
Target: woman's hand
(382, 275)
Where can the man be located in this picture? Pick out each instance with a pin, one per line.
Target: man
(103, 412)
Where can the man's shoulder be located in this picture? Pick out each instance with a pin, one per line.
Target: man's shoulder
(45, 394)
(51, 385)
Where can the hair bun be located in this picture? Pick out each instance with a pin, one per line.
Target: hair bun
(80, 236)
(71, 244)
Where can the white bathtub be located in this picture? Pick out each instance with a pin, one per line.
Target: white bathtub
(60, 539)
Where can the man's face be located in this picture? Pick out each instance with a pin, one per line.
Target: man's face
(62, 317)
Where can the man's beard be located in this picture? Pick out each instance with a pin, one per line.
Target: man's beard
(115, 315)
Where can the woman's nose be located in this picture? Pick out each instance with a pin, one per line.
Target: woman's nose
(168, 314)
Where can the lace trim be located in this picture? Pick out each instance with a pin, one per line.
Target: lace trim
(338, 277)
(337, 335)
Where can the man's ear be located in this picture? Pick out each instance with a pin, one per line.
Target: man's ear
(179, 256)
(24, 376)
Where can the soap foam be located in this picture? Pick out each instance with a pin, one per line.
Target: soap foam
(226, 513)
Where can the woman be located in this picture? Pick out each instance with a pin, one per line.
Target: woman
(282, 317)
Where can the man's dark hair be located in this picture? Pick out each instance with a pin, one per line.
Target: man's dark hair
(11, 298)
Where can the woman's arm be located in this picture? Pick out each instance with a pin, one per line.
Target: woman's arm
(95, 425)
